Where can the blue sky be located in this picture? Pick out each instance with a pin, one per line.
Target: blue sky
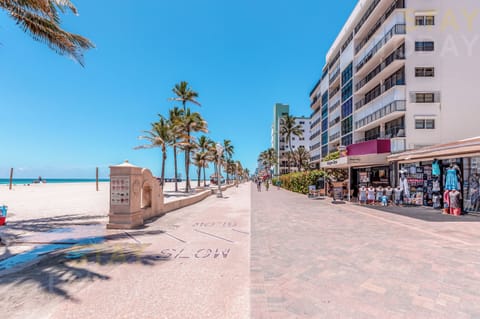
(61, 120)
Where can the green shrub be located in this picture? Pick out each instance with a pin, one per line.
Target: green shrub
(299, 182)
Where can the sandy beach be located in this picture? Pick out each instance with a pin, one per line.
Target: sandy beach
(49, 200)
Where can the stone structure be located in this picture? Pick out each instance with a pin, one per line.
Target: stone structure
(135, 195)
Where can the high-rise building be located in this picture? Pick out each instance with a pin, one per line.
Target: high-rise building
(402, 71)
(279, 142)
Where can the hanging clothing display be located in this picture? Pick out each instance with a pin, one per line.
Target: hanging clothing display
(451, 181)
(435, 168)
(405, 187)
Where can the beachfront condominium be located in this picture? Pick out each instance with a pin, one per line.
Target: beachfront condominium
(280, 143)
(400, 70)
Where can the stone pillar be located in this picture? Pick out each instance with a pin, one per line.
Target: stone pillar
(125, 201)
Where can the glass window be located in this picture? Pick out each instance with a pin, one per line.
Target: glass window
(419, 124)
(347, 108)
(347, 126)
(430, 124)
(347, 140)
(430, 20)
(419, 20)
(424, 46)
(425, 72)
(347, 91)
(347, 74)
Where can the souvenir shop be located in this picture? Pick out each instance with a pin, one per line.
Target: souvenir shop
(444, 176)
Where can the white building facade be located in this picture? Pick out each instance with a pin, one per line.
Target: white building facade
(400, 70)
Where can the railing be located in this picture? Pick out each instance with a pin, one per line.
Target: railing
(315, 123)
(395, 106)
(334, 136)
(315, 112)
(334, 91)
(396, 5)
(334, 107)
(396, 29)
(398, 54)
(334, 122)
(366, 15)
(362, 102)
(335, 74)
(395, 131)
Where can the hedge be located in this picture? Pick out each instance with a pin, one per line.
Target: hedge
(299, 182)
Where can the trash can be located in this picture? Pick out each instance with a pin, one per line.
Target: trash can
(3, 214)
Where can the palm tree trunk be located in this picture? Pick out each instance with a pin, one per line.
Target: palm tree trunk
(175, 166)
(290, 153)
(164, 157)
(199, 172)
(187, 164)
(204, 177)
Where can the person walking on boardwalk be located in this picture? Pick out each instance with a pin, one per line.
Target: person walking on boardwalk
(267, 184)
(259, 184)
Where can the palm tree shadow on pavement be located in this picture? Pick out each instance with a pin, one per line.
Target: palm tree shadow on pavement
(56, 274)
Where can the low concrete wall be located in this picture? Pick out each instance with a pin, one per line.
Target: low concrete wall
(177, 204)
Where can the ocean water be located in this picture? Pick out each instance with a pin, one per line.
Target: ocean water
(22, 181)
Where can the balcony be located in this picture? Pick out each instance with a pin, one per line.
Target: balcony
(362, 102)
(398, 4)
(398, 29)
(335, 136)
(382, 114)
(393, 61)
(334, 106)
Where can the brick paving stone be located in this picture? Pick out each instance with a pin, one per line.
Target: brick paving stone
(320, 260)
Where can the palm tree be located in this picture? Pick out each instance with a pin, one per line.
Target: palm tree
(184, 94)
(41, 20)
(268, 158)
(158, 136)
(288, 128)
(200, 161)
(190, 123)
(301, 157)
(228, 151)
(204, 144)
(175, 116)
(246, 172)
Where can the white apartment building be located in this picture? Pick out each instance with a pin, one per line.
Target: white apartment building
(400, 70)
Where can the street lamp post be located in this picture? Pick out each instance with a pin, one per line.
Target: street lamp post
(219, 149)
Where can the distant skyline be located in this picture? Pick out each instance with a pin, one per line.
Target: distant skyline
(60, 120)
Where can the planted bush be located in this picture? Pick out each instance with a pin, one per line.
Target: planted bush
(299, 182)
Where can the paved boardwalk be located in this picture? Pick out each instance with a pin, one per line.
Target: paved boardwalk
(191, 263)
(312, 259)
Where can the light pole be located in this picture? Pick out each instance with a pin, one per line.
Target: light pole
(236, 174)
(219, 149)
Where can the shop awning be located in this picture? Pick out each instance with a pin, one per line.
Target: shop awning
(461, 148)
(356, 161)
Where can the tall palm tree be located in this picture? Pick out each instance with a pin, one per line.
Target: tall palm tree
(268, 158)
(175, 119)
(228, 151)
(290, 127)
(183, 93)
(158, 136)
(41, 19)
(190, 123)
(246, 172)
(204, 144)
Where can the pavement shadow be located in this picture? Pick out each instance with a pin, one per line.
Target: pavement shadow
(75, 264)
(51, 223)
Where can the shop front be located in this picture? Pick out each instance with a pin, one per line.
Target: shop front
(365, 165)
(441, 176)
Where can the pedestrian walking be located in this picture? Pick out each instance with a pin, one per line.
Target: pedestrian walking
(259, 185)
(267, 185)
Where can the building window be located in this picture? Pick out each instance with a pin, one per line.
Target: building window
(425, 124)
(347, 74)
(372, 134)
(424, 72)
(398, 78)
(424, 97)
(324, 138)
(347, 91)
(347, 140)
(325, 98)
(424, 46)
(425, 20)
(347, 108)
(324, 124)
(302, 122)
(347, 126)
(324, 150)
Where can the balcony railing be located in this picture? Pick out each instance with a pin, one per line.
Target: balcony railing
(366, 15)
(398, 54)
(335, 74)
(390, 133)
(362, 102)
(396, 29)
(395, 106)
(399, 4)
(334, 136)
(334, 107)
(334, 122)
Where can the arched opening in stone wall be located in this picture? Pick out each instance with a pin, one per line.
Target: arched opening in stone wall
(146, 199)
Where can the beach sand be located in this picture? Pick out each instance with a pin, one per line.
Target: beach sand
(50, 200)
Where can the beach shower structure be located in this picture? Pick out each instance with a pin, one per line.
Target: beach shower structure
(135, 196)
